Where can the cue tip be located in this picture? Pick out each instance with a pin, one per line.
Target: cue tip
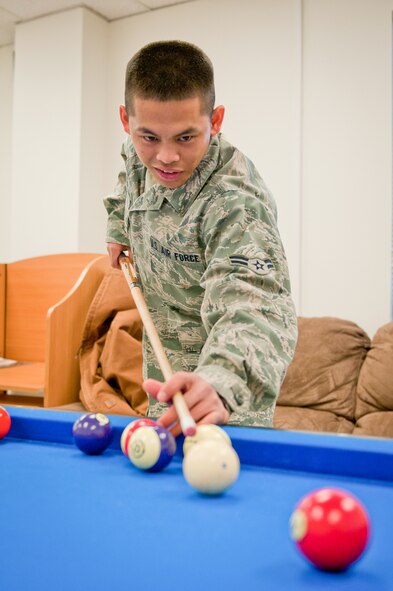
(188, 427)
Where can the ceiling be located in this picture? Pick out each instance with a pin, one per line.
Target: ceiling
(18, 11)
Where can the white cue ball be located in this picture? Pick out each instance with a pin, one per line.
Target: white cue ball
(204, 432)
(151, 448)
(144, 448)
(211, 466)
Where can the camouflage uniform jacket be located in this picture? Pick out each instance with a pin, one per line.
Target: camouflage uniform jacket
(214, 275)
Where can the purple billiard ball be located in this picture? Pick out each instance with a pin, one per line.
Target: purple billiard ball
(92, 433)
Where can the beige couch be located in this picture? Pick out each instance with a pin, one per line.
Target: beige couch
(339, 381)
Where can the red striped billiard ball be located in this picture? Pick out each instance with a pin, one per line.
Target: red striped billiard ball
(331, 528)
(130, 429)
(5, 422)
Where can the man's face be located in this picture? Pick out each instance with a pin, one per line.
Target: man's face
(171, 137)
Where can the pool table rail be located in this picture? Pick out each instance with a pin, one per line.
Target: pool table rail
(336, 455)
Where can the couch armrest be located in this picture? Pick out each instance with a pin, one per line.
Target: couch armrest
(375, 384)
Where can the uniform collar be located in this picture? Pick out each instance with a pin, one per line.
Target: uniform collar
(180, 198)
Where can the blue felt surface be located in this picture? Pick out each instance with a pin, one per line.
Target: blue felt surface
(70, 521)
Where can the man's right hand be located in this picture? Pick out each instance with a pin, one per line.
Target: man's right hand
(114, 251)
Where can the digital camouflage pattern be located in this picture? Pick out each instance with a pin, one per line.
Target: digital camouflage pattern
(214, 275)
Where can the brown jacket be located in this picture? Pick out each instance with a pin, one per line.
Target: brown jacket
(111, 351)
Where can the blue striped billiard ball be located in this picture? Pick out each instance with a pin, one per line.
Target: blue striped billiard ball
(92, 433)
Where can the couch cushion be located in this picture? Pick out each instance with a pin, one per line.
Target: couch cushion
(375, 424)
(307, 419)
(325, 368)
(375, 385)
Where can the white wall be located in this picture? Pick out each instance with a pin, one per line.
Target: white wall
(347, 160)
(45, 149)
(308, 90)
(93, 96)
(6, 78)
(58, 135)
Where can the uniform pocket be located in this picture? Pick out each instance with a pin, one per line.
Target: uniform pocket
(190, 332)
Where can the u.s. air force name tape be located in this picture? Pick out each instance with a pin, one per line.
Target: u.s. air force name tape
(258, 266)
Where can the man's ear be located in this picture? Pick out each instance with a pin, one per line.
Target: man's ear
(124, 118)
(217, 119)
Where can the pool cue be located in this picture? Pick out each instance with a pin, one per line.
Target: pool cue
(187, 423)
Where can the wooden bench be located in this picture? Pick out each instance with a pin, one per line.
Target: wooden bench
(43, 305)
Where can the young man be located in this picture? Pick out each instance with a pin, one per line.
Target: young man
(200, 225)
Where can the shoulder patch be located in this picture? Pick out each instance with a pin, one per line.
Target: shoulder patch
(258, 266)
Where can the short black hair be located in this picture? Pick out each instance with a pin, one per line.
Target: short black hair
(170, 70)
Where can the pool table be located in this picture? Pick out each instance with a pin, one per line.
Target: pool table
(72, 521)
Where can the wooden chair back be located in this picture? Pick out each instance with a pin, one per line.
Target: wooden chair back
(32, 287)
(44, 302)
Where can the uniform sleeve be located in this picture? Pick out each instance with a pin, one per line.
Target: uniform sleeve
(247, 311)
(115, 206)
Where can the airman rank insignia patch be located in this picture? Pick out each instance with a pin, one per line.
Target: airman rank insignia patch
(258, 266)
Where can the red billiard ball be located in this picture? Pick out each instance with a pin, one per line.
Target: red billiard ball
(92, 433)
(331, 528)
(5, 422)
(130, 429)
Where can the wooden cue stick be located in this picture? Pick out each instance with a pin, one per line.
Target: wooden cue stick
(187, 423)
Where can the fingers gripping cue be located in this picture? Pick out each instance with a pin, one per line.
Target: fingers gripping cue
(187, 423)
